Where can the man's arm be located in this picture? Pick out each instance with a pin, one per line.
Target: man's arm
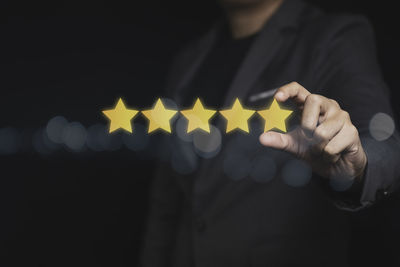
(334, 135)
(352, 76)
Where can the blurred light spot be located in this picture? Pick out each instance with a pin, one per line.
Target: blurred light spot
(381, 126)
(207, 145)
(48, 143)
(41, 143)
(163, 147)
(55, 128)
(296, 173)
(263, 169)
(376, 150)
(74, 136)
(184, 160)
(9, 140)
(138, 140)
(245, 143)
(98, 139)
(113, 142)
(236, 166)
(181, 130)
(159, 147)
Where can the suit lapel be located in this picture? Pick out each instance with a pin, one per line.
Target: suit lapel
(262, 51)
(258, 58)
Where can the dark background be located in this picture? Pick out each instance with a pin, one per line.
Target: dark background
(73, 58)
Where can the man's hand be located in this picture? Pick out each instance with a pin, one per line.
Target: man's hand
(326, 139)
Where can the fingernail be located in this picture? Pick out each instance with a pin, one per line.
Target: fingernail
(279, 95)
(264, 137)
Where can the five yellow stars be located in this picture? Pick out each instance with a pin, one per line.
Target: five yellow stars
(237, 117)
(275, 117)
(198, 117)
(120, 117)
(159, 117)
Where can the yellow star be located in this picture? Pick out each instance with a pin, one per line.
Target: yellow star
(198, 117)
(275, 117)
(159, 117)
(120, 117)
(237, 117)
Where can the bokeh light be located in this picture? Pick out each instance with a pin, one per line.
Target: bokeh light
(42, 144)
(9, 140)
(171, 104)
(98, 139)
(138, 140)
(381, 126)
(296, 173)
(236, 166)
(74, 136)
(55, 128)
(263, 169)
(183, 159)
(207, 145)
(181, 130)
(159, 147)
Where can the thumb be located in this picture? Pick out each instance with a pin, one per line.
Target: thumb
(279, 141)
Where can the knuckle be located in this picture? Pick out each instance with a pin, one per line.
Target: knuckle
(285, 144)
(345, 115)
(307, 126)
(329, 150)
(353, 130)
(321, 133)
(284, 89)
(313, 98)
(308, 130)
(334, 103)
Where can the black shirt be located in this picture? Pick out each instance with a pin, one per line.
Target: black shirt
(218, 69)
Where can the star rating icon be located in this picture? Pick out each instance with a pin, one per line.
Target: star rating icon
(237, 117)
(198, 117)
(159, 117)
(275, 117)
(120, 117)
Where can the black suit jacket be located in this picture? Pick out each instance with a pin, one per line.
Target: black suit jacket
(250, 223)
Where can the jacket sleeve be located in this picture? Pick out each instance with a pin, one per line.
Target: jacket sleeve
(346, 69)
(165, 199)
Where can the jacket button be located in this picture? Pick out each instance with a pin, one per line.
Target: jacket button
(200, 225)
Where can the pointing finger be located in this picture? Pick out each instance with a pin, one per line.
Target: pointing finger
(292, 90)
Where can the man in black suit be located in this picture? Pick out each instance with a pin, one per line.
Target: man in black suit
(206, 218)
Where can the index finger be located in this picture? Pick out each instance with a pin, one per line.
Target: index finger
(292, 90)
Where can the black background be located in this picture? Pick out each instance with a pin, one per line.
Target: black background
(73, 58)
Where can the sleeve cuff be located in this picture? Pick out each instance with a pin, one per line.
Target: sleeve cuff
(373, 186)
